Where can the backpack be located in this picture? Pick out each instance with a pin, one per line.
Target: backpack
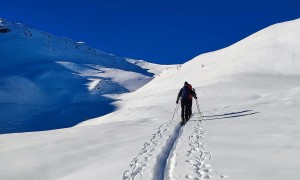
(185, 93)
(191, 91)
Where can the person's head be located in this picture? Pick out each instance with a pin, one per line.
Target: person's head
(186, 83)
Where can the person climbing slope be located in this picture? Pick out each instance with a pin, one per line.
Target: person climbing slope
(184, 95)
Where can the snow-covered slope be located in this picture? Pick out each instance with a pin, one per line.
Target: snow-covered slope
(272, 51)
(249, 94)
(48, 82)
(152, 68)
(249, 98)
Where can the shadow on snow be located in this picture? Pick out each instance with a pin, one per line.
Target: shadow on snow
(229, 115)
(52, 117)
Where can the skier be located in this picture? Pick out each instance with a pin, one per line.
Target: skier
(184, 95)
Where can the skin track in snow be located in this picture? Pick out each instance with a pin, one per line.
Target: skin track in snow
(189, 158)
(162, 158)
(179, 146)
(139, 166)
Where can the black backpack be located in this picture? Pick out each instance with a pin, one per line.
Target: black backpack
(185, 92)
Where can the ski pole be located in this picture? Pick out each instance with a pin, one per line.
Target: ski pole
(175, 112)
(198, 107)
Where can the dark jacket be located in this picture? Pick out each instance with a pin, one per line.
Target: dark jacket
(182, 93)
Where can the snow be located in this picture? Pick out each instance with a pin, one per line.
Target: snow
(51, 82)
(93, 83)
(249, 100)
(152, 67)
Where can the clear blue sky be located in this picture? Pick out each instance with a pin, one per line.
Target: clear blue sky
(161, 31)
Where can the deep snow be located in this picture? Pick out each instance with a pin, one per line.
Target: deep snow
(249, 98)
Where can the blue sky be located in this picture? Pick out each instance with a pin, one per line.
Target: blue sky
(160, 31)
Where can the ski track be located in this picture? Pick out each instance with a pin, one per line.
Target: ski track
(148, 153)
(174, 153)
(161, 162)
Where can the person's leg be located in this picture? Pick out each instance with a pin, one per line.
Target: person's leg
(191, 104)
(182, 109)
(189, 108)
(184, 103)
(186, 113)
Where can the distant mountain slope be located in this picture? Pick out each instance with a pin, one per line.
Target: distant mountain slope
(152, 68)
(22, 45)
(49, 82)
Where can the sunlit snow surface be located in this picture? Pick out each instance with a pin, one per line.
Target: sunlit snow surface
(249, 98)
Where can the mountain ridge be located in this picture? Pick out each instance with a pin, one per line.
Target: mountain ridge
(41, 70)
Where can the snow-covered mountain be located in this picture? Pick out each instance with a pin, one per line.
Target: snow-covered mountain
(249, 97)
(249, 100)
(152, 68)
(49, 82)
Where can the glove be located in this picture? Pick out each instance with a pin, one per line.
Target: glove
(196, 97)
(176, 102)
